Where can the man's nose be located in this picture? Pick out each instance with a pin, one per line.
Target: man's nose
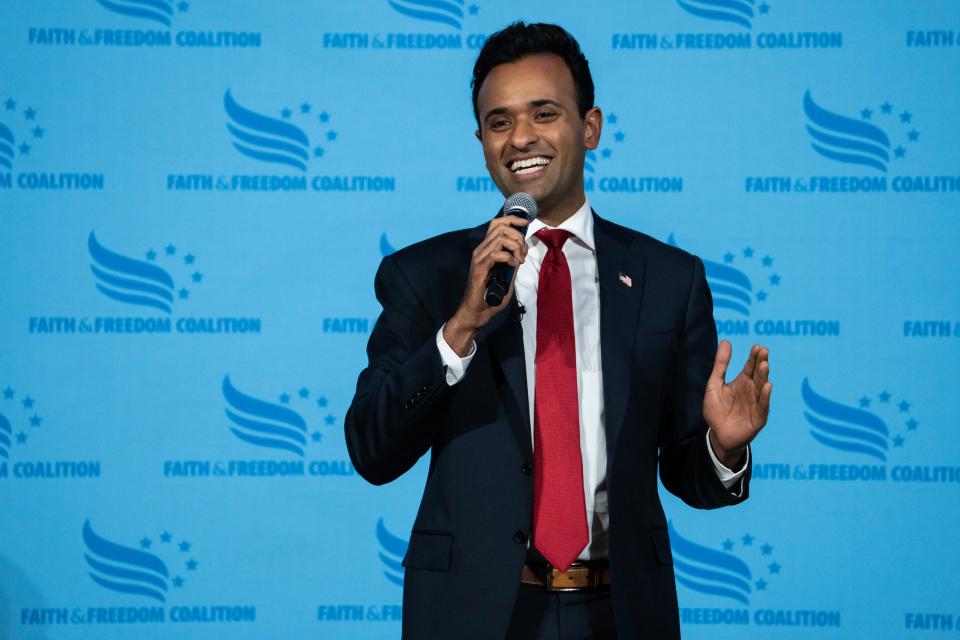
(524, 134)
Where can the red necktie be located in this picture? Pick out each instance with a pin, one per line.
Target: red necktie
(559, 513)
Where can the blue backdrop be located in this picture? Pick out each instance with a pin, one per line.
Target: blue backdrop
(195, 196)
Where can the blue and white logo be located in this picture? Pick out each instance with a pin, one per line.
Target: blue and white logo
(739, 12)
(266, 424)
(18, 418)
(392, 551)
(20, 132)
(385, 247)
(448, 12)
(157, 11)
(448, 17)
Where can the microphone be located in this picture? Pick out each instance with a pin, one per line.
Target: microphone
(501, 274)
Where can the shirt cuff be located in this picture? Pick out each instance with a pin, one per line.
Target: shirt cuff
(456, 366)
(728, 477)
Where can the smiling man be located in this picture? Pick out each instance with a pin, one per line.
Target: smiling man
(548, 417)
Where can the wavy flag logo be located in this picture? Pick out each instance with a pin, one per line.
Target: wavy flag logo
(739, 12)
(855, 429)
(11, 416)
(859, 142)
(392, 550)
(16, 119)
(448, 12)
(732, 289)
(131, 570)
(594, 157)
(157, 11)
(273, 425)
(138, 282)
(720, 572)
(276, 140)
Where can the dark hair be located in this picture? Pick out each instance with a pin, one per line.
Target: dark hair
(520, 40)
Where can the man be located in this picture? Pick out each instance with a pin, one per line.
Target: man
(546, 416)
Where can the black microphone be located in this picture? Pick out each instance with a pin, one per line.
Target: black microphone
(501, 274)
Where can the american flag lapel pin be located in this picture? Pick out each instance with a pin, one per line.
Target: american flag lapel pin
(625, 280)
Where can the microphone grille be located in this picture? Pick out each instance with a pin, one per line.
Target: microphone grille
(522, 201)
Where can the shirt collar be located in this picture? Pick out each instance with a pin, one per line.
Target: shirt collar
(580, 224)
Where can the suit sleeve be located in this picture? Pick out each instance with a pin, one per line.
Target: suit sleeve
(686, 468)
(392, 418)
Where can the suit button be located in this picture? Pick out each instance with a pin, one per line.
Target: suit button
(521, 537)
(526, 469)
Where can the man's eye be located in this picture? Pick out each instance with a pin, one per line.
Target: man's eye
(546, 115)
(499, 124)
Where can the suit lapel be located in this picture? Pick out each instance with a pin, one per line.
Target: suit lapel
(619, 311)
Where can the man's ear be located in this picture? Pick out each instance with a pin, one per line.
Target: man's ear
(477, 133)
(592, 126)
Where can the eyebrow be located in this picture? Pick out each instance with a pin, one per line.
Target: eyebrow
(533, 103)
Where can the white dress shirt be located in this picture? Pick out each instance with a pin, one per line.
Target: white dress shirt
(580, 252)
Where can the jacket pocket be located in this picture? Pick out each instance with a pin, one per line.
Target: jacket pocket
(661, 545)
(432, 551)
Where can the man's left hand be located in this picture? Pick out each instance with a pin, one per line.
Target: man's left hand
(736, 411)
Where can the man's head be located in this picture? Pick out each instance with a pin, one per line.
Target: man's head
(533, 100)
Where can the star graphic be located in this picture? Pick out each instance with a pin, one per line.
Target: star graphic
(184, 546)
(473, 9)
(886, 107)
(766, 549)
(192, 565)
(145, 542)
(28, 402)
(322, 401)
(21, 438)
(178, 582)
(324, 117)
(197, 276)
(912, 424)
(884, 397)
(184, 294)
(612, 118)
(775, 279)
(286, 113)
(11, 104)
(37, 132)
(774, 567)
(305, 107)
(764, 8)
(165, 537)
(746, 540)
(331, 135)
(24, 149)
(35, 420)
(170, 250)
(303, 392)
(151, 255)
(30, 113)
(318, 152)
(183, 6)
(619, 136)
(317, 436)
(728, 257)
(912, 135)
(904, 406)
(189, 258)
(767, 261)
(606, 153)
(761, 584)
(905, 117)
(329, 420)
(748, 252)
(8, 393)
(864, 402)
(727, 544)
(761, 296)
(866, 113)
(284, 398)
(898, 441)
(899, 152)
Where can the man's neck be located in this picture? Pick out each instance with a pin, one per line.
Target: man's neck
(556, 216)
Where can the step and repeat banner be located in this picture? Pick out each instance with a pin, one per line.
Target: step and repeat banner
(195, 196)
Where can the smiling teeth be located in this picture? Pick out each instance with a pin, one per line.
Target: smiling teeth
(529, 165)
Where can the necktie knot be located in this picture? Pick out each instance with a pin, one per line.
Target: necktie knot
(553, 238)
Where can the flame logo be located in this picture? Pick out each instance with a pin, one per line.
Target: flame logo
(7, 145)
(155, 10)
(443, 11)
(736, 11)
(715, 573)
(392, 550)
(844, 139)
(6, 433)
(124, 569)
(129, 280)
(264, 138)
(843, 427)
(263, 423)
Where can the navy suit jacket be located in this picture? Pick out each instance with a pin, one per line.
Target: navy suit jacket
(468, 543)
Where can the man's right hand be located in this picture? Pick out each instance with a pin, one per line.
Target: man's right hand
(503, 243)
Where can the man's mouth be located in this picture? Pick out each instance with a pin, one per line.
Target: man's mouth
(528, 165)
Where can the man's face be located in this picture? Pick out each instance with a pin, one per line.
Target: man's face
(533, 137)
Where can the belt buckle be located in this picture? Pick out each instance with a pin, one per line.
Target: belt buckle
(549, 582)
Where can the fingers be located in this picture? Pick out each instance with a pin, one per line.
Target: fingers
(763, 405)
(760, 380)
(750, 366)
(720, 363)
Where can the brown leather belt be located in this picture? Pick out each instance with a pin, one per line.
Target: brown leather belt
(585, 575)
